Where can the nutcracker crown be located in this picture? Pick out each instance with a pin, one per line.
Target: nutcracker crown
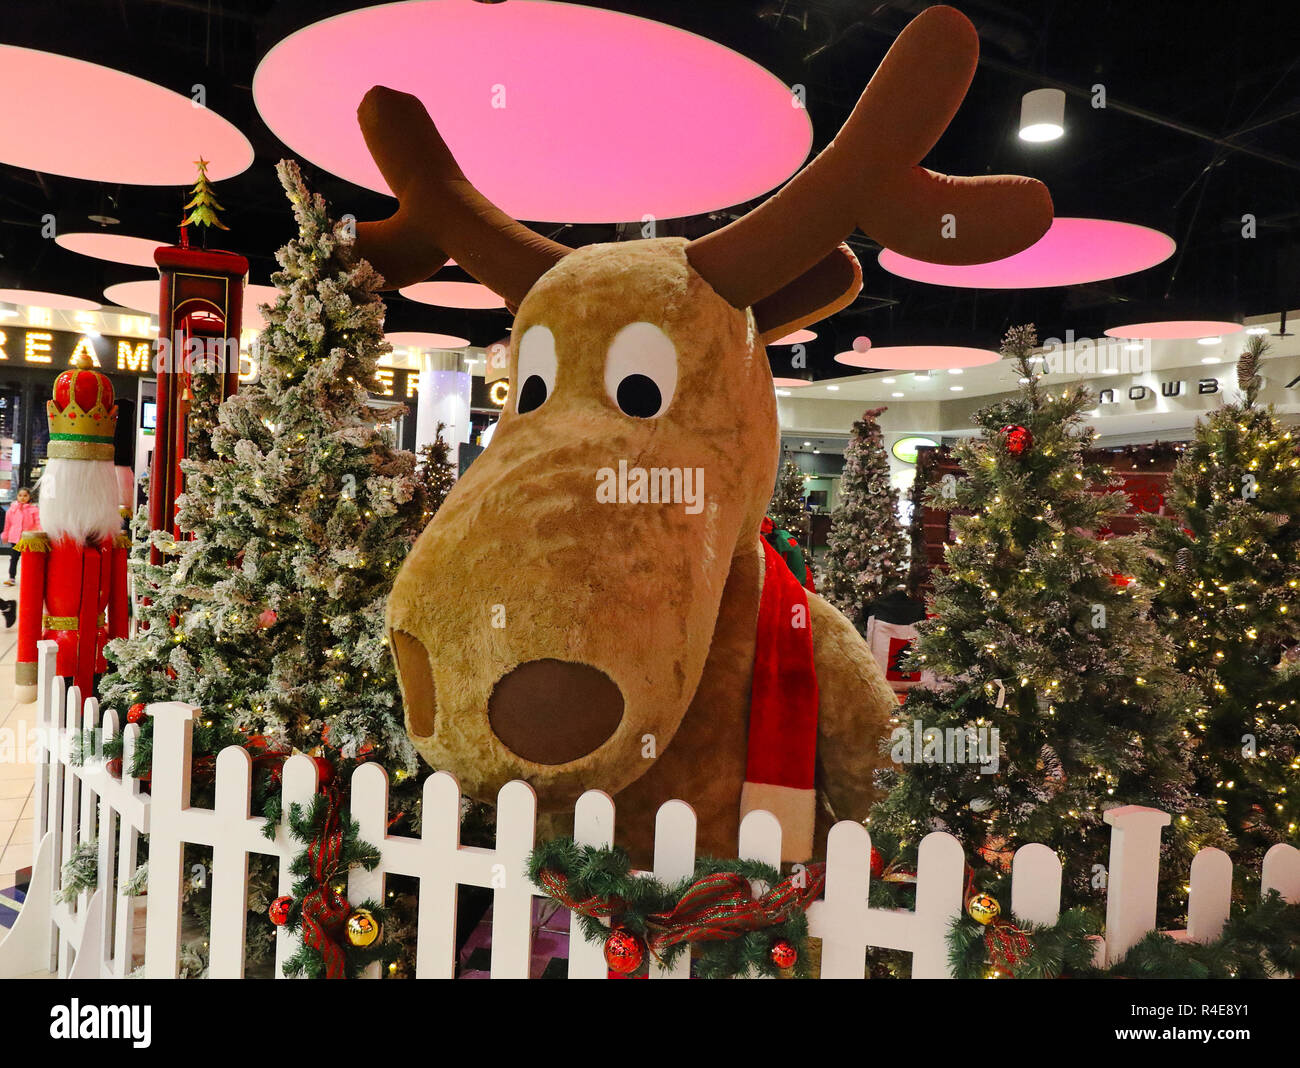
(82, 414)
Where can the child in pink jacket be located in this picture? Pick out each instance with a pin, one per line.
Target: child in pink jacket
(22, 516)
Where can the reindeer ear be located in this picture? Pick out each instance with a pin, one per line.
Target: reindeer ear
(832, 283)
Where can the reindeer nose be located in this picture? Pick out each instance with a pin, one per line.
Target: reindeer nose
(553, 711)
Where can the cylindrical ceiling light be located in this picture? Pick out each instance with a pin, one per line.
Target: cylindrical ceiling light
(1042, 115)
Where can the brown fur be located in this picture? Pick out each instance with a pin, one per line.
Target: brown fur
(661, 601)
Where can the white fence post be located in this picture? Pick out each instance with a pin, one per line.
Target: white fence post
(297, 787)
(173, 746)
(675, 828)
(1209, 895)
(593, 825)
(1036, 884)
(512, 902)
(369, 809)
(940, 865)
(1132, 876)
(436, 867)
(840, 918)
(1281, 872)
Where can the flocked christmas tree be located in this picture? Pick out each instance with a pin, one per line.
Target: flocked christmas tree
(269, 613)
(866, 557)
(1228, 569)
(1041, 634)
(786, 507)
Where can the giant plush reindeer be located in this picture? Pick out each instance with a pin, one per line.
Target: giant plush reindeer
(558, 622)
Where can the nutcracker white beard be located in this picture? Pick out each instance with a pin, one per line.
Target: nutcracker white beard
(80, 499)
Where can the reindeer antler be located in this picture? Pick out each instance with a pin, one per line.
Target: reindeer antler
(441, 214)
(869, 177)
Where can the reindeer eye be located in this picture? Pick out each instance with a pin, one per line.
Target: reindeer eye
(536, 370)
(641, 370)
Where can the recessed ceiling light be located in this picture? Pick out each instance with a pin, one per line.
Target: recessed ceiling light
(1257, 329)
(1110, 370)
(1135, 347)
(956, 389)
(897, 394)
(816, 452)
(1210, 359)
(889, 381)
(807, 444)
(783, 393)
(1208, 340)
(959, 371)
(832, 388)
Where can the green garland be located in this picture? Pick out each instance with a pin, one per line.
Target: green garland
(309, 825)
(1257, 941)
(631, 902)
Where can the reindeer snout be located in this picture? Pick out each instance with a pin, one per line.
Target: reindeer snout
(554, 711)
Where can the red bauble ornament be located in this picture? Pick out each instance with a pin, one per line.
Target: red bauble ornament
(624, 951)
(324, 770)
(114, 767)
(783, 953)
(1120, 580)
(267, 619)
(877, 863)
(135, 714)
(279, 910)
(1017, 439)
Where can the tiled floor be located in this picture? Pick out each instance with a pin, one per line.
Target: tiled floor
(16, 775)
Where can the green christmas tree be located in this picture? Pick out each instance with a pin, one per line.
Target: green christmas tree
(866, 557)
(1040, 634)
(202, 205)
(436, 472)
(786, 508)
(269, 613)
(1227, 566)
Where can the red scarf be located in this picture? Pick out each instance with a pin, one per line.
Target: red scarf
(782, 758)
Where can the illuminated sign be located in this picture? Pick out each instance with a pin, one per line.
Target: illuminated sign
(499, 392)
(905, 448)
(58, 348)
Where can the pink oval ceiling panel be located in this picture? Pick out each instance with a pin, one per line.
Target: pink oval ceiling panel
(143, 296)
(1175, 330)
(418, 339)
(38, 298)
(116, 248)
(799, 337)
(918, 357)
(82, 120)
(453, 295)
(791, 383)
(138, 296)
(554, 111)
(1072, 252)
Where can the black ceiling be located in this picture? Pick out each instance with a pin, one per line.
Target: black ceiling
(1202, 126)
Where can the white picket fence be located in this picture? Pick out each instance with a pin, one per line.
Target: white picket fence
(92, 936)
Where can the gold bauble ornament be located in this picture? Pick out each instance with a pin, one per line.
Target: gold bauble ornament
(362, 928)
(983, 908)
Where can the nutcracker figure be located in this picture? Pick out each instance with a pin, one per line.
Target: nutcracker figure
(73, 586)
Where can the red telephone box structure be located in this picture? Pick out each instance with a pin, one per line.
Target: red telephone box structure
(201, 299)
